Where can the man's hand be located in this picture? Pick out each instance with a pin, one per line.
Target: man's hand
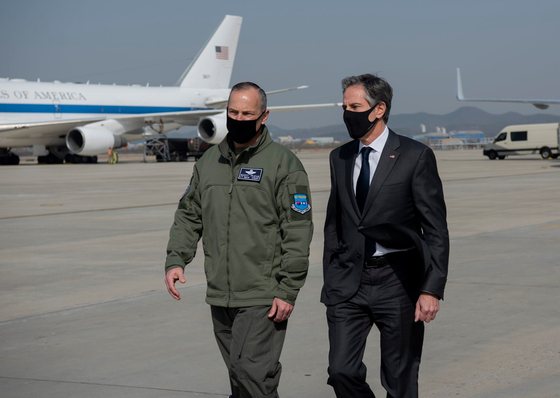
(281, 309)
(426, 308)
(172, 275)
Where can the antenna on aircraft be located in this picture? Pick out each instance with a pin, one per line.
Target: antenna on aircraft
(460, 95)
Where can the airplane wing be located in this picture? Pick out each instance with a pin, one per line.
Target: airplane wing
(541, 104)
(287, 108)
(41, 129)
(53, 129)
(189, 116)
(222, 102)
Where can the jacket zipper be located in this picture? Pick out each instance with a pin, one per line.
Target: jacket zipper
(232, 163)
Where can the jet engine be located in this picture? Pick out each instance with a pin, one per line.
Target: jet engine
(93, 139)
(212, 129)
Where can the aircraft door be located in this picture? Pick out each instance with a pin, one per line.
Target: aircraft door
(57, 111)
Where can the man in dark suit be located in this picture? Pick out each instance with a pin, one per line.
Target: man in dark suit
(386, 245)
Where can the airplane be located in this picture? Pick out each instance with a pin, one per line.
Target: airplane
(74, 122)
(541, 104)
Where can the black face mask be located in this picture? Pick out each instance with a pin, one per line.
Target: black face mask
(358, 123)
(242, 131)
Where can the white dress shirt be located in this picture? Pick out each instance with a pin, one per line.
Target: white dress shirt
(374, 156)
(377, 145)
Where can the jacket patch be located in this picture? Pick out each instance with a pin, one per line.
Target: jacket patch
(186, 192)
(249, 174)
(300, 204)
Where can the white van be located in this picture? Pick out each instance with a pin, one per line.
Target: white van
(525, 139)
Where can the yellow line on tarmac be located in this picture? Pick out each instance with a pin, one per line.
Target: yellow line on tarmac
(550, 226)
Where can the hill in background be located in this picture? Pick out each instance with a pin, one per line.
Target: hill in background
(464, 118)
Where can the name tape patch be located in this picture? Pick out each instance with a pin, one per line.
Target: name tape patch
(300, 204)
(248, 174)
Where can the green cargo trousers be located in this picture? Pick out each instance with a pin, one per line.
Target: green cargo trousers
(250, 344)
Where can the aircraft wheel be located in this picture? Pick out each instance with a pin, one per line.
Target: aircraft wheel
(501, 157)
(77, 159)
(10, 160)
(492, 155)
(555, 156)
(52, 159)
(546, 153)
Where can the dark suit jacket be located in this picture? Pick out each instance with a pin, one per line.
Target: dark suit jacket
(404, 208)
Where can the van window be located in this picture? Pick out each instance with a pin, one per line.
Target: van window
(501, 137)
(519, 136)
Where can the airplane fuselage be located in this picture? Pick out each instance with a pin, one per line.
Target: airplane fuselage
(25, 101)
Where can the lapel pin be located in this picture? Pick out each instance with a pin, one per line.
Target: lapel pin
(392, 156)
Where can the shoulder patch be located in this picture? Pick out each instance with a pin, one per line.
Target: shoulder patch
(250, 174)
(184, 193)
(300, 204)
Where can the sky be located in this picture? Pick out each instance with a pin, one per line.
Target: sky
(505, 49)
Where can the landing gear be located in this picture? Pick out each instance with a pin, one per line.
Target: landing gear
(77, 159)
(49, 159)
(59, 155)
(8, 158)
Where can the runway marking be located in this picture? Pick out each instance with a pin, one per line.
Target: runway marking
(550, 226)
(108, 209)
(110, 385)
(496, 176)
(516, 285)
(87, 211)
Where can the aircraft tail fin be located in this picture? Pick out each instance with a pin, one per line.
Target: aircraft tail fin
(213, 65)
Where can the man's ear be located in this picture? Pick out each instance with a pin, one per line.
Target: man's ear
(265, 116)
(380, 109)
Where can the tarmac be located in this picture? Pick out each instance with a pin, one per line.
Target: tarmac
(84, 311)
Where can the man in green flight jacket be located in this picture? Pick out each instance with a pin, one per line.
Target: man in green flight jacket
(249, 200)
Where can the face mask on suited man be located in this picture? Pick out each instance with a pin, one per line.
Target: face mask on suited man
(358, 123)
(243, 131)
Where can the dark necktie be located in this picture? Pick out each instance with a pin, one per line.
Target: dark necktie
(362, 186)
(362, 189)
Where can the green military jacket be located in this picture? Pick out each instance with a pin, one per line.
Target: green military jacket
(253, 213)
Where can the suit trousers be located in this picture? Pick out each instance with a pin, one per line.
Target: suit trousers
(386, 297)
(250, 344)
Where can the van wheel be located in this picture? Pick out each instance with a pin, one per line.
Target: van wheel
(492, 155)
(546, 153)
(501, 157)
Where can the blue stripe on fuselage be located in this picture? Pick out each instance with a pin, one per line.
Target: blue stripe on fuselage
(64, 108)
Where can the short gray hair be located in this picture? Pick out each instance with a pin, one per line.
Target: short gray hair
(377, 90)
(243, 86)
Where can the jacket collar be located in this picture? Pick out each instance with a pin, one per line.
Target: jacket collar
(262, 142)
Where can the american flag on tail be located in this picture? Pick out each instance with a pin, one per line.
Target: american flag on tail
(222, 52)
